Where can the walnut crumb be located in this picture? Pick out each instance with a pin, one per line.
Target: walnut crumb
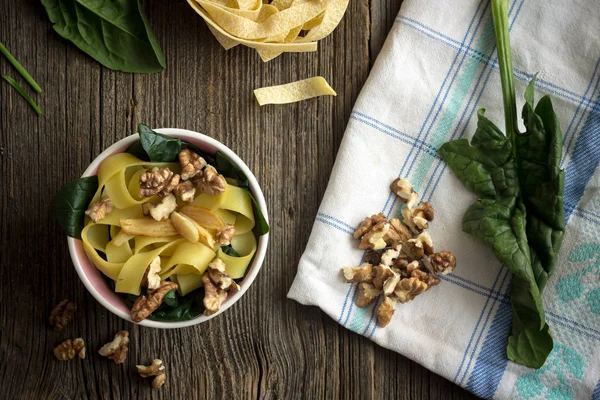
(161, 210)
(367, 293)
(151, 279)
(185, 191)
(443, 262)
(99, 209)
(214, 296)
(409, 288)
(62, 314)
(117, 349)
(385, 311)
(70, 348)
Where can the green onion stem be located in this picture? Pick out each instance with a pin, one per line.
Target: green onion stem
(19, 89)
(20, 69)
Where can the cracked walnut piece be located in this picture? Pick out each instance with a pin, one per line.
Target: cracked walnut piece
(159, 181)
(443, 262)
(62, 314)
(381, 273)
(145, 305)
(402, 188)
(191, 164)
(117, 349)
(185, 191)
(409, 288)
(163, 209)
(214, 296)
(99, 209)
(68, 349)
(225, 235)
(156, 369)
(385, 311)
(367, 293)
(218, 276)
(362, 273)
(210, 181)
(151, 279)
(367, 224)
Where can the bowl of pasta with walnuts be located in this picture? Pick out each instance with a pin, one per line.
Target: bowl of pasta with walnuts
(166, 228)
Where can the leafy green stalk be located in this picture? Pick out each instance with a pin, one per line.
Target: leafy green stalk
(24, 94)
(11, 59)
(519, 213)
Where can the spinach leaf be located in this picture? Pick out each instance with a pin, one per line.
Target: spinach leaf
(230, 251)
(115, 33)
(539, 151)
(188, 307)
(520, 211)
(159, 148)
(71, 202)
(230, 170)
(171, 298)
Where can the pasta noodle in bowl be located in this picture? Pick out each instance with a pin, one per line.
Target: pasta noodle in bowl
(95, 281)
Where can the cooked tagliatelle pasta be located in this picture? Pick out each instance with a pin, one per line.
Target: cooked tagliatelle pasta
(294, 91)
(140, 233)
(272, 28)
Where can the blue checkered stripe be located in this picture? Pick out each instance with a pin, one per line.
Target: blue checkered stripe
(484, 360)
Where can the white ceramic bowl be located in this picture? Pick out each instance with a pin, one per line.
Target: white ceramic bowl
(96, 283)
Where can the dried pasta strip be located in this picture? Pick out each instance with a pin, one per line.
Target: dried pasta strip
(294, 91)
(332, 17)
(283, 47)
(223, 40)
(267, 55)
(277, 23)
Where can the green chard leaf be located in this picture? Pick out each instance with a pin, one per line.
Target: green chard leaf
(116, 33)
(159, 148)
(71, 202)
(230, 251)
(520, 211)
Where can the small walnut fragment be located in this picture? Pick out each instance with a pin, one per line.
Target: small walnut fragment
(213, 295)
(117, 349)
(367, 224)
(157, 370)
(402, 188)
(191, 164)
(145, 305)
(161, 210)
(225, 235)
(367, 293)
(151, 279)
(70, 348)
(380, 274)
(414, 249)
(401, 230)
(210, 181)
(62, 314)
(409, 288)
(99, 209)
(185, 191)
(217, 274)
(362, 273)
(443, 262)
(376, 238)
(385, 311)
(158, 181)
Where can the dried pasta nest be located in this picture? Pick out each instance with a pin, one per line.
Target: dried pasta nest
(271, 28)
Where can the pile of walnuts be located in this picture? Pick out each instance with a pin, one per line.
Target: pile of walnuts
(400, 262)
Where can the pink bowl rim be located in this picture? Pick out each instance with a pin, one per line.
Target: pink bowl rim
(76, 247)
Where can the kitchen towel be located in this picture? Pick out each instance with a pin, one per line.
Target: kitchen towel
(437, 67)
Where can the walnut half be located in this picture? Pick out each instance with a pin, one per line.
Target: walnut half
(62, 314)
(70, 348)
(117, 349)
(99, 209)
(156, 369)
(145, 305)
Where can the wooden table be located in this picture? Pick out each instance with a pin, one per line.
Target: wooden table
(265, 346)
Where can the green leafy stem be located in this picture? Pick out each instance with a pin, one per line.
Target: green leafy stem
(520, 212)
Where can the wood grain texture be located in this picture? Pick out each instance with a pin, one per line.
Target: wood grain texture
(265, 346)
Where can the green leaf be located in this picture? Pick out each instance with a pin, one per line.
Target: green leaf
(171, 299)
(116, 33)
(159, 148)
(539, 151)
(71, 202)
(230, 251)
(188, 307)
